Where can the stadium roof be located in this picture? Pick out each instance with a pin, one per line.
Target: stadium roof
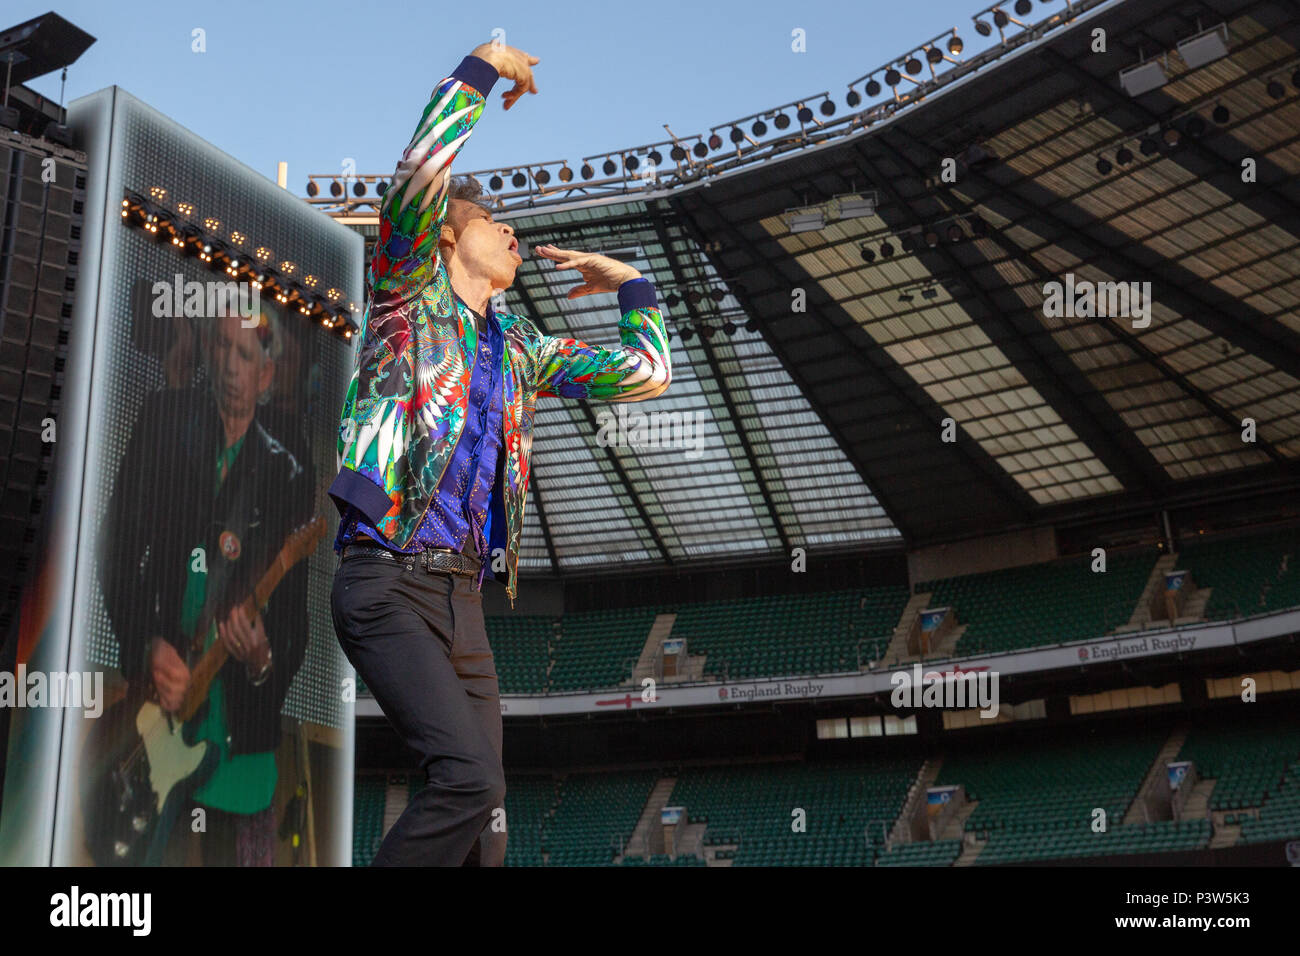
(822, 428)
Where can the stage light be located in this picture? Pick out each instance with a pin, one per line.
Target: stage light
(955, 234)
(1221, 114)
(519, 180)
(700, 150)
(807, 220)
(759, 128)
(715, 141)
(1103, 165)
(542, 177)
(692, 298)
(736, 135)
(495, 183)
(955, 46)
(907, 243)
(893, 77)
(1275, 89)
(707, 331)
(931, 238)
(687, 333)
(312, 188)
(1000, 18)
(677, 154)
(782, 121)
(855, 207)
(1124, 156)
(358, 188)
(336, 189)
(381, 187)
(982, 28)
(886, 249)
(873, 87)
(827, 107)
(1205, 47)
(587, 172)
(655, 157)
(805, 114)
(729, 328)
(1143, 78)
(853, 98)
(1195, 125)
(868, 254)
(912, 66)
(751, 325)
(671, 300)
(1148, 145)
(1023, 7)
(566, 174)
(609, 167)
(717, 294)
(933, 55)
(1172, 137)
(630, 163)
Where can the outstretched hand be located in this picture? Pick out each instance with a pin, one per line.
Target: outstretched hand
(511, 64)
(599, 273)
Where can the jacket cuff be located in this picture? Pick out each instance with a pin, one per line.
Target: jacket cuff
(478, 73)
(637, 294)
(350, 488)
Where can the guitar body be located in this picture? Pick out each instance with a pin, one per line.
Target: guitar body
(142, 765)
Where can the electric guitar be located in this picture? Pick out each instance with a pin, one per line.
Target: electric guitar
(142, 762)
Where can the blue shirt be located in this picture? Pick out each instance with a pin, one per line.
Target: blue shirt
(460, 513)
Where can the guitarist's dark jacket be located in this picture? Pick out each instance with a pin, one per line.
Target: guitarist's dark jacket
(163, 507)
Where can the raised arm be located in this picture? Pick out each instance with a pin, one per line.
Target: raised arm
(415, 203)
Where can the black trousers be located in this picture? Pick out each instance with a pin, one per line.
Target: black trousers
(419, 642)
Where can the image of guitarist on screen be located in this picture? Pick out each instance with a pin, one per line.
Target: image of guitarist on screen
(204, 500)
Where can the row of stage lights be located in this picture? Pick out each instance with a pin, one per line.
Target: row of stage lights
(714, 294)
(1192, 126)
(638, 162)
(929, 236)
(232, 252)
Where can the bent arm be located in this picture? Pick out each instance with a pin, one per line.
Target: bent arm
(637, 370)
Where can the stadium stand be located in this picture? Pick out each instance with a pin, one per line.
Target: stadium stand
(849, 808)
(1247, 574)
(1042, 603)
(1248, 763)
(367, 818)
(791, 633)
(1036, 802)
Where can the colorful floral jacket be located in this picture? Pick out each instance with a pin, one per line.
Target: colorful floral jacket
(408, 398)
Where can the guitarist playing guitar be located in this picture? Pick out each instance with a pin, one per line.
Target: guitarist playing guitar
(202, 516)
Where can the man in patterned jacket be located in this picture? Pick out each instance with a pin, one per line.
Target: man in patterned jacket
(434, 448)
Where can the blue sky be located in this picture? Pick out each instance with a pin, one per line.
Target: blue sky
(315, 83)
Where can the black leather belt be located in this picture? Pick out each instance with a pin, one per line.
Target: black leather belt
(430, 559)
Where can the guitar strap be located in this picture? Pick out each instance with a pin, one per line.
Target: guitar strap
(229, 534)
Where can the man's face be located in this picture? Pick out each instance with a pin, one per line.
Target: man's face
(240, 369)
(483, 247)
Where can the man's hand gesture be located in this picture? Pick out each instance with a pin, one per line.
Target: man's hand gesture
(599, 273)
(511, 64)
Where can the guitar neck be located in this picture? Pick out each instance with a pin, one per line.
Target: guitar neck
(297, 547)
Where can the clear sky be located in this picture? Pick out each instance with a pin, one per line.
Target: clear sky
(315, 83)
